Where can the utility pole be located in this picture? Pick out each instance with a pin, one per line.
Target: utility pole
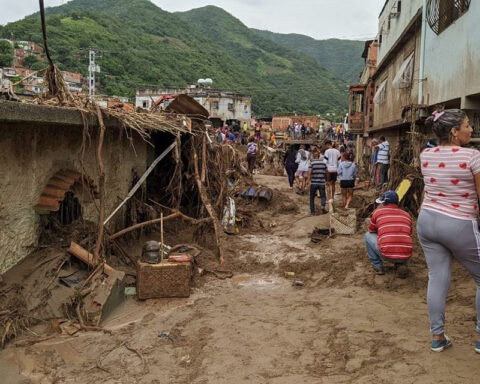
(92, 68)
(422, 52)
(91, 74)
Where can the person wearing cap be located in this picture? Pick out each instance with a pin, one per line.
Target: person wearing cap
(389, 236)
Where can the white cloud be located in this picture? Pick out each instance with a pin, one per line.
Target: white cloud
(351, 19)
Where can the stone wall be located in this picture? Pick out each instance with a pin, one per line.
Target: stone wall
(30, 154)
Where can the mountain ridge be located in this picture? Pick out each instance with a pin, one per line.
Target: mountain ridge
(342, 57)
(144, 45)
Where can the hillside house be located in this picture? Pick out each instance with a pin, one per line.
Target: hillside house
(74, 81)
(222, 106)
(22, 49)
(34, 84)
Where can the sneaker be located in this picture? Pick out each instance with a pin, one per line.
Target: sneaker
(477, 346)
(379, 270)
(440, 345)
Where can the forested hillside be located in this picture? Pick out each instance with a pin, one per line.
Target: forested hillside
(144, 46)
(342, 57)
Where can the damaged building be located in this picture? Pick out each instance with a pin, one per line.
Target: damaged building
(412, 77)
(223, 106)
(50, 168)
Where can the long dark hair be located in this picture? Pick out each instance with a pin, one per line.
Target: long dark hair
(442, 122)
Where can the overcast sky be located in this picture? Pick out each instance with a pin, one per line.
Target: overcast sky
(321, 19)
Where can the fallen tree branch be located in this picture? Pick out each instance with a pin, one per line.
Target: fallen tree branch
(141, 225)
(208, 205)
(174, 215)
(183, 216)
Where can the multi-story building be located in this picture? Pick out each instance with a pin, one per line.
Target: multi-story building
(223, 106)
(426, 58)
(360, 110)
(452, 57)
(22, 49)
(74, 81)
(398, 67)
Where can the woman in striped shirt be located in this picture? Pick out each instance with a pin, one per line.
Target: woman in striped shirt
(447, 225)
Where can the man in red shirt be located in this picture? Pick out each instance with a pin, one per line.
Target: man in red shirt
(389, 236)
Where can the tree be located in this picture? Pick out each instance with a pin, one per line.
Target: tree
(6, 53)
(29, 61)
(39, 65)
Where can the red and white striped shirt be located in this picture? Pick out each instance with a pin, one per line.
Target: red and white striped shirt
(394, 229)
(448, 173)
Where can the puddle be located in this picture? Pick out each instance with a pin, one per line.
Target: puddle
(255, 281)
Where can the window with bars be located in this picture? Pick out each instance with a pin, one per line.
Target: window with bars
(442, 13)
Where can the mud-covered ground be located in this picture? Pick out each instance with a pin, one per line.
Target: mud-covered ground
(344, 325)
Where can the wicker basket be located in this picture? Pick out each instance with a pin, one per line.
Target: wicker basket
(344, 222)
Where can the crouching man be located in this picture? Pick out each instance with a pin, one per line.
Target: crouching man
(389, 236)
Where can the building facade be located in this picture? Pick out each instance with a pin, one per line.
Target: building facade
(360, 106)
(398, 65)
(280, 123)
(222, 106)
(452, 57)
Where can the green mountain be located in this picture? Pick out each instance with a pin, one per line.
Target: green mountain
(144, 46)
(342, 57)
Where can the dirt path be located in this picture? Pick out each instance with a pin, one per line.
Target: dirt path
(345, 325)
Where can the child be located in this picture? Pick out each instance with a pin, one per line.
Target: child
(303, 161)
(316, 178)
(347, 172)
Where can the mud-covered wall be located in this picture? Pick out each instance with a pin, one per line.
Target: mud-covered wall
(452, 58)
(30, 155)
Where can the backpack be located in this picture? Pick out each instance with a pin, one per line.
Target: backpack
(303, 155)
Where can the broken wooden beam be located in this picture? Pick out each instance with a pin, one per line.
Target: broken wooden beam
(88, 258)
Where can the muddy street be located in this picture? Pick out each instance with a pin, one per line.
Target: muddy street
(344, 325)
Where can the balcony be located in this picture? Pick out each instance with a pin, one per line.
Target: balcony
(356, 123)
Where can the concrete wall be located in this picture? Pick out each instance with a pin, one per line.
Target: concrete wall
(452, 61)
(398, 24)
(30, 155)
(390, 111)
(242, 108)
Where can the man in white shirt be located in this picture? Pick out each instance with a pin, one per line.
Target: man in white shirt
(383, 158)
(296, 131)
(332, 155)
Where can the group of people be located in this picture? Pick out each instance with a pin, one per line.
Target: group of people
(319, 169)
(233, 134)
(447, 225)
(299, 131)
